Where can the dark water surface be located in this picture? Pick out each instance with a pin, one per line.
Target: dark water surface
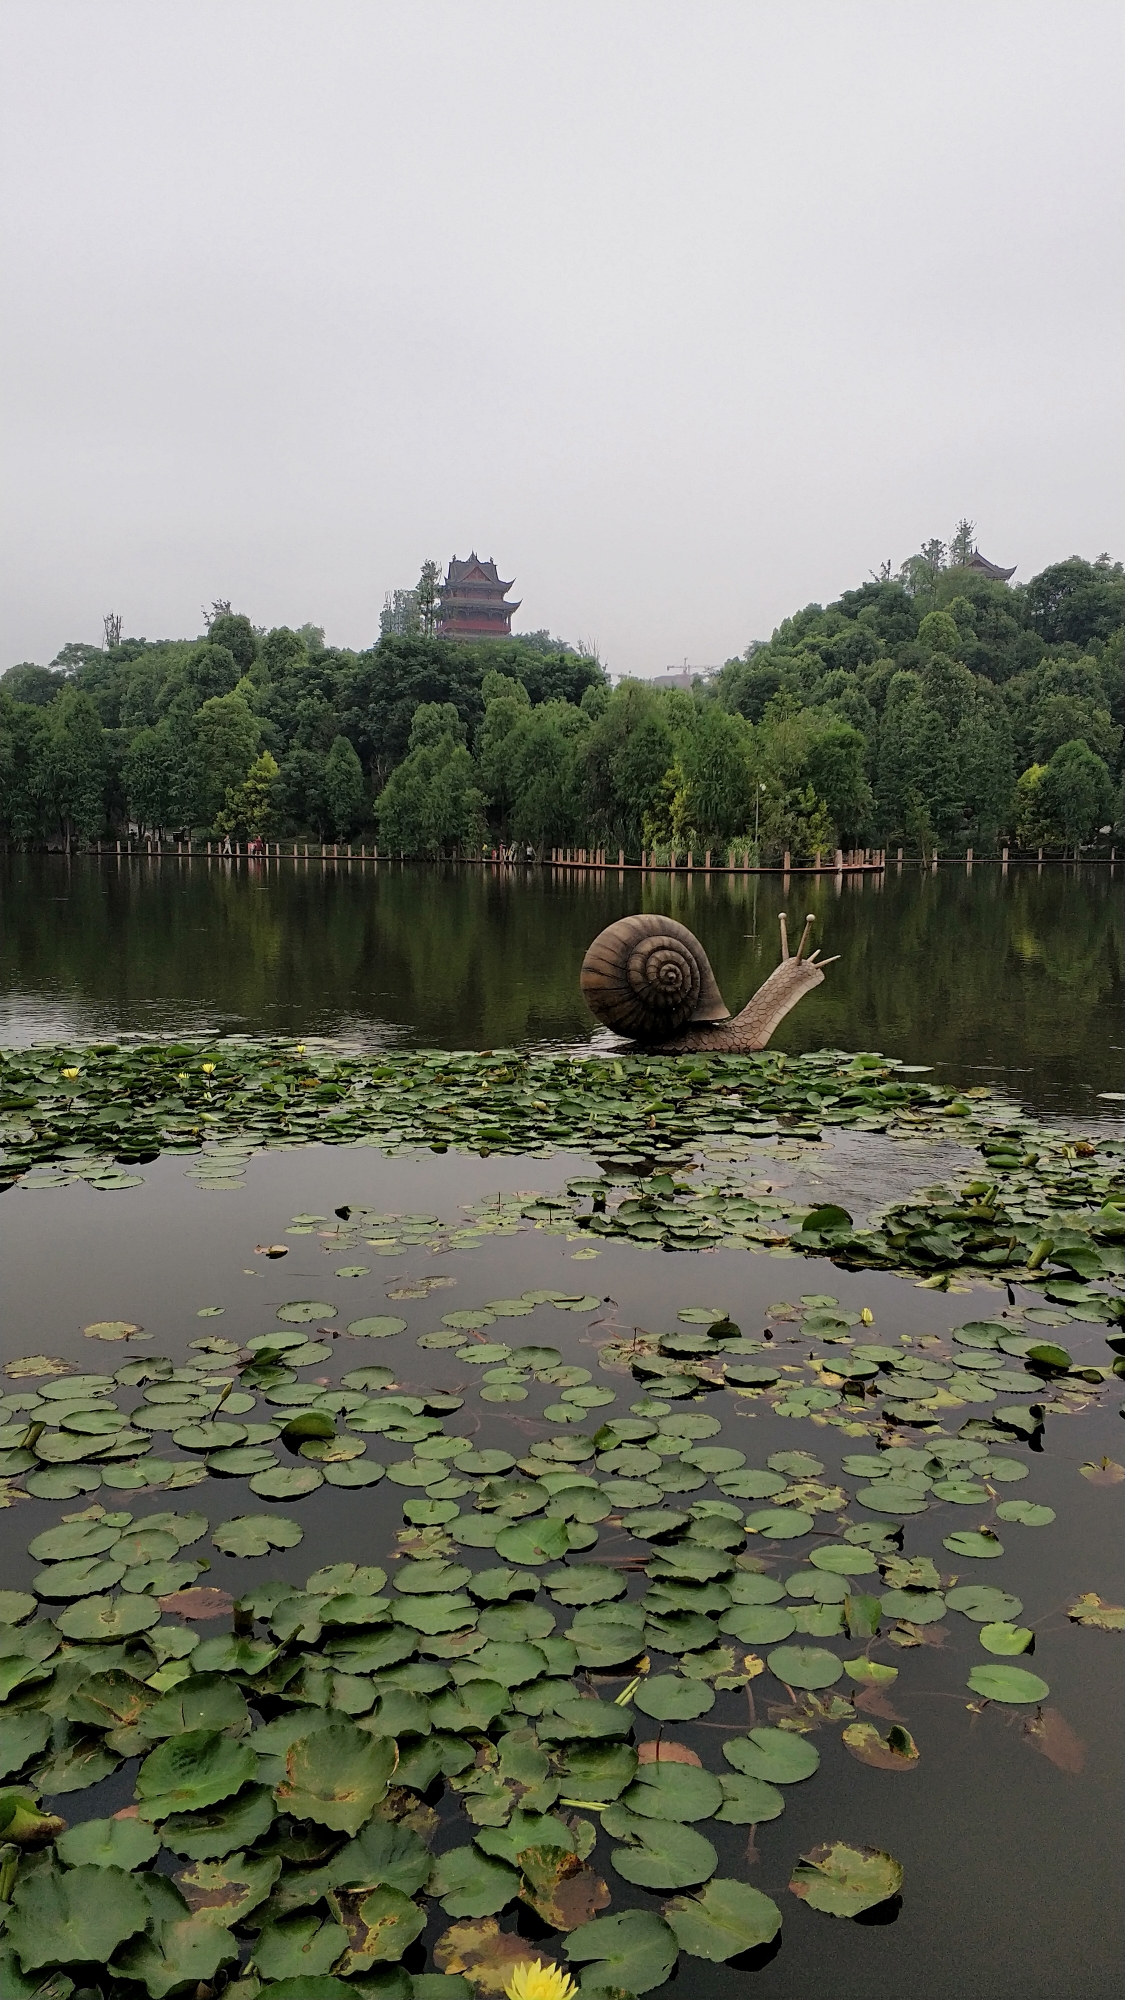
(1012, 1866)
(1016, 978)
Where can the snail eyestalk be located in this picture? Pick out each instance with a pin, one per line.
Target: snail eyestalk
(648, 978)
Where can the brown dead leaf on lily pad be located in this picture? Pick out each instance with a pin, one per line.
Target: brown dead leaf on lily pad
(661, 1750)
(36, 1364)
(1090, 1609)
(1103, 1472)
(201, 1601)
(420, 1288)
(1051, 1734)
(112, 1329)
(271, 1249)
(897, 1751)
(484, 1954)
(560, 1888)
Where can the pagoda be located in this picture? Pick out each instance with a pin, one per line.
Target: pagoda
(473, 604)
(990, 569)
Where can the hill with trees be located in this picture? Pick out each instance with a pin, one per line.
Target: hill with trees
(936, 709)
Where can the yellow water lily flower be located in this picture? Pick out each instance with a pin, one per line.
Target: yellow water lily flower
(531, 1980)
(208, 1069)
(867, 1316)
(70, 1074)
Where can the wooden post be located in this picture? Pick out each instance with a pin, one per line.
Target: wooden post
(707, 862)
(969, 857)
(690, 861)
(785, 862)
(621, 857)
(839, 861)
(1003, 854)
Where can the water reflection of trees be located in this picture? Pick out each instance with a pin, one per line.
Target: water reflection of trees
(1022, 973)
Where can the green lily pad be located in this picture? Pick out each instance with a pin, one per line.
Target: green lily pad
(1005, 1638)
(669, 1699)
(337, 1776)
(779, 1524)
(78, 1578)
(777, 1755)
(301, 1311)
(380, 1923)
(1026, 1513)
(100, 1619)
(226, 1891)
(843, 1881)
(662, 1853)
(673, 1791)
(108, 1843)
(286, 1482)
(632, 1952)
(21, 1738)
(1007, 1684)
(468, 1883)
(298, 1950)
(178, 1955)
(534, 1541)
(377, 1327)
(805, 1666)
(723, 1920)
(232, 1823)
(77, 1916)
(749, 1801)
(979, 1542)
(191, 1770)
(757, 1624)
(982, 1603)
(257, 1534)
(843, 1559)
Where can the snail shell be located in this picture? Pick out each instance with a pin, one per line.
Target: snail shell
(647, 977)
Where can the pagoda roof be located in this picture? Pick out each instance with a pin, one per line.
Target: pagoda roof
(985, 568)
(460, 571)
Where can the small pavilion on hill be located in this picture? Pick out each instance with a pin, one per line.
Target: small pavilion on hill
(473, 601)
(985, 568)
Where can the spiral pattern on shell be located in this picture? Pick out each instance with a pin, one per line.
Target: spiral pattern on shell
(647, 977)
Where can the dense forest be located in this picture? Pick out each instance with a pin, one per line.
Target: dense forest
(935, 709)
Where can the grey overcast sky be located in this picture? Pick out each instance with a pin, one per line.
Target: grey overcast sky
(688, 312)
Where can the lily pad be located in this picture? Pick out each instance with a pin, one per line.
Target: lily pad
(757, 1624)
(101, 1619)
(257, 1534)
(286, 1482)
(108, 1843)
(337, 1776)
(1008, 1684)
(777, 1755)
(749, 1801)
(980, 1543)
(380, 1923)
(191, 1770)
(673, 1791)
(301, 1311)
(663, 1854)
(843, 1880)
(631, 1952)
(533, 1541)
(77, 1916)
(1006, 1639)
(982, 1603)
(780, 1524)
(669, 1699)
(468, 1883)
(723, 1920)
(299, 1949)
(805, 1666)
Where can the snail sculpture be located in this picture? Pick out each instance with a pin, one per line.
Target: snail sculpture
(647, 977)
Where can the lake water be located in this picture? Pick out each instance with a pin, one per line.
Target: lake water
(1014, 978)
(1007, 1827)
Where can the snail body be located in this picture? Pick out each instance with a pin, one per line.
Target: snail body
(647, 977)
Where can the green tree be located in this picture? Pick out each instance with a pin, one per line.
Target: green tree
(431, 805)
(251, 807)
(27, 682)
(427, 597)
(76, 766)
(343, 788)
(233, 631)
(161, 777)
(226, 738)
(1033, 824)
(1077, 793)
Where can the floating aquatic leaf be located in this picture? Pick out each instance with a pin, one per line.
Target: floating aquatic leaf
(777, 1755)
(1008, 1684)
(1051, 1734)
(666, 1791)
(257, 1534)
(21, 1738)
(193, 1769)
(805, 1666)
(101, 1619)
(1103, 1472)
(76, 1916)
(980, 1543)
(897, 1751)
(1004, 1638)
(232, 1823)
(631, 1952)
(376, 1327)
(757, 1624)
(1090, 1609)
(295, 1949)
(301, 1311)
(723, 1920)
(749, 1801)
(843, 1880)
(670, 1699)
(471, 1884)
(181, 1954)
(662, 1854)
(337, 1776)
(780, 1524)
(1026, 1513)
(108, 1843)
(286, 1482)
(485, 1955)
(111, 1329)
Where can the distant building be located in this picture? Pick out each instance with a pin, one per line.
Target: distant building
(473, 604)
(683, 677)
(985, 568)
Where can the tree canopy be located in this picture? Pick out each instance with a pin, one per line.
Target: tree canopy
(937, 708)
